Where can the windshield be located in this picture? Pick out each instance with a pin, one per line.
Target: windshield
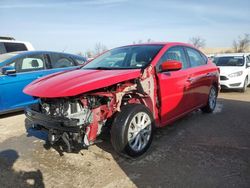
(129, 57)
(229, 61)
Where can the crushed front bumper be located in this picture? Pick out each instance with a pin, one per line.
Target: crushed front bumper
(55, 123)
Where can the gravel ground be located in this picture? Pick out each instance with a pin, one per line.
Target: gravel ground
(200, 150)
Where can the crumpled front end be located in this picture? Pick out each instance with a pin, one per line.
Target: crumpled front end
(79, 120)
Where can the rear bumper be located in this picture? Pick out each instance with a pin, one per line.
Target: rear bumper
(47, 122)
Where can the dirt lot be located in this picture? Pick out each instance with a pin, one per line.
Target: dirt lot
(201, 150)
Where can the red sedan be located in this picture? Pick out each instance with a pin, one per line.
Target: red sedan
(130, 90)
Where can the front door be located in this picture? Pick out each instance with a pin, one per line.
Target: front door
(173, 86)
(28, 68)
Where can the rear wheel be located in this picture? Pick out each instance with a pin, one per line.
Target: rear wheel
(212, 99)
(132, 130)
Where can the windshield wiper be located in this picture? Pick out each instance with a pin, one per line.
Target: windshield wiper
(105, 68)
(111, 68)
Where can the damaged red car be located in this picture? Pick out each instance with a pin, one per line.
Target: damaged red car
(130, 90)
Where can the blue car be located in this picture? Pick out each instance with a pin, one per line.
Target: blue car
(18, 69)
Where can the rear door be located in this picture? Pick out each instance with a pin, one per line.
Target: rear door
(28, 68)
(200, 79)
(173, 87)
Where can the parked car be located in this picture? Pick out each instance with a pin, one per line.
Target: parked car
(130, 89)
(18, 69)
(234, 70)
(9, 44)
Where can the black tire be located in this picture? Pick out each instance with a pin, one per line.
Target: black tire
(244, 86)
(210, 106)
(121, 126)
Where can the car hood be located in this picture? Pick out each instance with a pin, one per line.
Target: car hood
(79, 81)
(226, 70)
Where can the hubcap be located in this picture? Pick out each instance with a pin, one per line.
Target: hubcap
(139, 131)
(245, 84)
(212, 98)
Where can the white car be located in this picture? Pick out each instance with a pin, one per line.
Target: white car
(234, 70)
(9, 44)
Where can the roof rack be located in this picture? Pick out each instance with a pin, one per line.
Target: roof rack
(7, 38)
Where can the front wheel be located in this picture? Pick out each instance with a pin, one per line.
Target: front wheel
(132, 130)
(244, 86)
(212, 99)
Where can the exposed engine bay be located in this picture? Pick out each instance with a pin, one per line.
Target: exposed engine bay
(79, 120)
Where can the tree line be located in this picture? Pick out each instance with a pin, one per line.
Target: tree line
(241, 44)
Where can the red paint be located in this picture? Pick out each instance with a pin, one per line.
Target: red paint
(77, 82)
(173, 93)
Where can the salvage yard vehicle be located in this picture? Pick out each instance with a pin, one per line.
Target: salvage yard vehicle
(130, 89)
(234, 70)
(18, 69)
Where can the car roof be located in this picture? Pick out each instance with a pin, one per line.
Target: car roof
(21, 53)
(232, 54)
(12, 55)
(162, 43)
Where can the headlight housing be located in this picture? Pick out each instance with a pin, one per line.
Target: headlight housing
(235, 74)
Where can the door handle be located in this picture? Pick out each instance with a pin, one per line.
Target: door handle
(209, 74)
(39, 76)
(190, 80)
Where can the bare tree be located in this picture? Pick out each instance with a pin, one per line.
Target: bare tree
(80, 53)
(99, 48)
(242, 43)
(89, 54)
(141, 41)
(198, 42)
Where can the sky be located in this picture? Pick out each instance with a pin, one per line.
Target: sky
(77, 25)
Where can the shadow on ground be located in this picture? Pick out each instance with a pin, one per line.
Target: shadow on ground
(17, 178)
(201, 150)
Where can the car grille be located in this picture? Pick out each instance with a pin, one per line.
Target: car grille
(223, 78)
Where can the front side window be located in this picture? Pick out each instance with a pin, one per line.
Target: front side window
(248, 61)
(129, 57)
(195, 58)
(229, 61)
(175, 53)
(29, 63)
(61, 61)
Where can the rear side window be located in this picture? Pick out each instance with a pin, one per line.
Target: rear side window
(61, 61)
(196, 58)
(13, 47)
(175, 53)
(80, 61)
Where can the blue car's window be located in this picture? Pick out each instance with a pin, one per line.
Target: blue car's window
(29, 63)
(61, 61)
(80, 61)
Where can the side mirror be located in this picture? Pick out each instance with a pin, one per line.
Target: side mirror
(248, 64)
(8, 70)
(171, 65)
